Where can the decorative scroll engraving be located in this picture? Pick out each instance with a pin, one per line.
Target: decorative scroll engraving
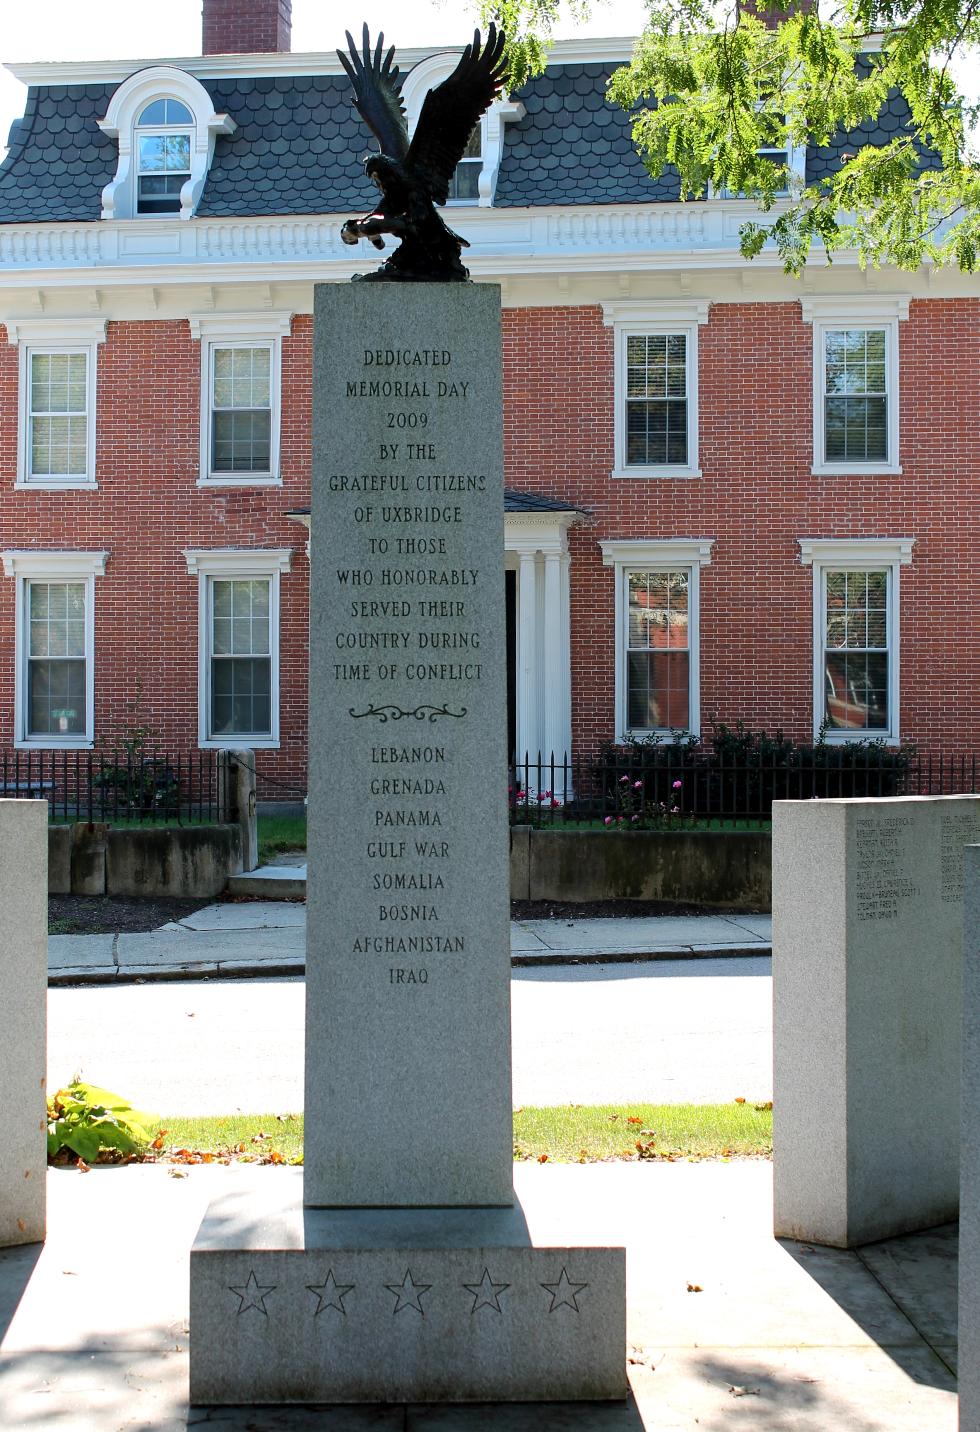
(330, 1294)
(253, 1295)
(564, 1293)
(395, 713)
(486, 1293)
(408, 1293)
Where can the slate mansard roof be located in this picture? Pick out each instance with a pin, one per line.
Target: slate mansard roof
(298, 147)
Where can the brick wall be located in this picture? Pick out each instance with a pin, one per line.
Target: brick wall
(756, 498)
(246, 27)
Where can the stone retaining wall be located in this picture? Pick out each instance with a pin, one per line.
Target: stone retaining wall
(192, 861)
(727, 868)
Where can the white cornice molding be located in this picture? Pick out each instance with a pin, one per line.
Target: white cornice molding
(244, 561)
(856, 549)
(655, 310)
(835, 308)
(264, 324)
(696, 550)
(316, 62)
(55, 331)
(545, 532)
(35, 562)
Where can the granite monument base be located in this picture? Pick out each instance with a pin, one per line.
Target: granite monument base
(297, 1305)
(867, 1013)
(969, 1299)
(23, 999)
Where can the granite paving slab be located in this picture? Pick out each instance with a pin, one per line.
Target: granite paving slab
(664, 932)
(81, 951)
(248, 915)
(158, 947)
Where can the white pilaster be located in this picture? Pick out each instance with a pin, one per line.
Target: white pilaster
(528, 735)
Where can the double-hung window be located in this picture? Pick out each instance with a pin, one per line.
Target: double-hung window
(656, 387)
(238, 644)
(855, 383)
(57, 381)
(54, 685)
(657, 637)
(164, 131)
(855, 636)
(464, 187)
(241, 365)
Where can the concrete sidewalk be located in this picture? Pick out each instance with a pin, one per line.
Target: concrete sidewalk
(728, 1330)
(268, 937)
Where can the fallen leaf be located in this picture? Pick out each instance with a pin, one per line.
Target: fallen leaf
(694, 1288)
(632, 1119)
(744, 1391)
(82, 1166)
(542, 1158)
(740, 1101)
(176, 1173)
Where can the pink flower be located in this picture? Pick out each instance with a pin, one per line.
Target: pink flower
(676, 810)
(677, 785)
(619, 820)
(638, 785)
(634, 817)
(622, 779)
(608, 820)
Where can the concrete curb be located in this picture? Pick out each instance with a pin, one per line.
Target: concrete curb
(76, 976)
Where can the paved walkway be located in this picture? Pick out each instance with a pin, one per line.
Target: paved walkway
(728, 1330)
(267, 937)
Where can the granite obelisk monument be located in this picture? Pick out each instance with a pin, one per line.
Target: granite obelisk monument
(404, 1268)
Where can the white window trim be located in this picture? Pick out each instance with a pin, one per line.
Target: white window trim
(46, 335)
(233, 562)
(856, 555)
(431, 72)
(240, 330)
(126, 106)
(885, 311)
(690, 554)
(39, 566)
(628, 319)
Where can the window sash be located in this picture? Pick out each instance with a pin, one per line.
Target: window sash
(240, 399)
(656, 400)
(57, 413)
(855, 395)
(56, 674)
(856, 649)
(240, 672)
(658, 634)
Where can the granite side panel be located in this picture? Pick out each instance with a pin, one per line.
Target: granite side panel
(23, 1000)
(969, 1300)
(408, 1024)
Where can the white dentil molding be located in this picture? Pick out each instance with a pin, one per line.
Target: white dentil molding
(856, 550)
(34, 562)
(55, 331)
(239, 561)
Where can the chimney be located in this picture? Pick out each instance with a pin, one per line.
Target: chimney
(773, 14)
(246, 27)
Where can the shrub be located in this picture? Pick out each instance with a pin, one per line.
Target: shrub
(86, 1120)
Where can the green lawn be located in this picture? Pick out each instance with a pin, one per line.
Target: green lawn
(279, 833)
(571, 1133)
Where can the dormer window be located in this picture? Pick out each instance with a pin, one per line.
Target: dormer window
(163, 156)
(166, 126)
(465, 185)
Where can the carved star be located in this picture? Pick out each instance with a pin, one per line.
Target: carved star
(486, 1293)
(330, 1293)
(253, 1295)
(408, 1293)
(563, 1293)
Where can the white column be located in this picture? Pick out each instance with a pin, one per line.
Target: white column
(527, 705)
(556, 673)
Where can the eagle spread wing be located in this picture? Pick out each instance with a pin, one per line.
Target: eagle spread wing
(377, 93)
(450, 111)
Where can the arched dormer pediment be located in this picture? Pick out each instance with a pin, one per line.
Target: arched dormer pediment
(129, 104)
(431, 72)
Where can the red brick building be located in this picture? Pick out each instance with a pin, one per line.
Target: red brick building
(730, 494)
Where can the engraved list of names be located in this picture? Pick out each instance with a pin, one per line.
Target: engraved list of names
(408, 842)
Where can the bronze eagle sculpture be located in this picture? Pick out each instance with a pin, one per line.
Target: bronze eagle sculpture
(414, 177)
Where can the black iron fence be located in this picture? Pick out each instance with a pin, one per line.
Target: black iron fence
(676, 788)
(118, 787)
